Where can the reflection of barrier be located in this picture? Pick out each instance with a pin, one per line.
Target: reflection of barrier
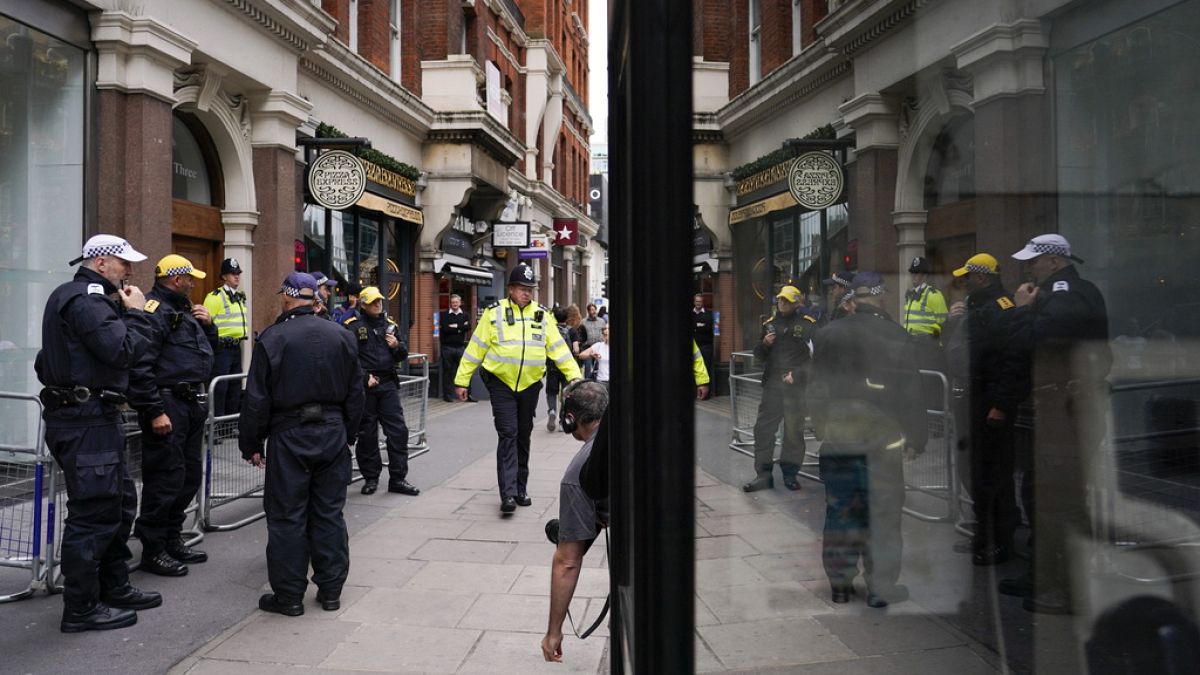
(1147, 498)
(27, 492)
(932, 474)
(414, 399)
(227, 477)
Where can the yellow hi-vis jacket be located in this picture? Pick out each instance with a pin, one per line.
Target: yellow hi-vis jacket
(698, 370)
(513, 344)
(925, 311)
(228, 314)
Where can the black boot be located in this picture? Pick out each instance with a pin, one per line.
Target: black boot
(163, 564)
(763, 481)
(130, 597)
(186, 554)
(98, 617)
(369, 487)
(403, 487)
(330, 602)
(270, 602)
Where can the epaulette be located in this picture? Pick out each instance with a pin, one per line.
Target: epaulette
(151, 306)
(769, 319)
(809, 317)
(392, 321)
(349, 320)
(494, 305)
(1004, 303)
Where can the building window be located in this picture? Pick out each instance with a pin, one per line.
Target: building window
(755, 41)
(353, 20)
(394, 26)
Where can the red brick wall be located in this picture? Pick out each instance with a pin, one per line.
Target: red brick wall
(776, 34)
(425, 297)
(278, 228)
(739, 45)
(811, 11)
(410, 51)
(374, 33)
(339, 10)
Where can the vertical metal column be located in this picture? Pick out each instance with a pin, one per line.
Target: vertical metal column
(652, 452)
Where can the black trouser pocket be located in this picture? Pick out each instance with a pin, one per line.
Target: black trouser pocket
(96, 475)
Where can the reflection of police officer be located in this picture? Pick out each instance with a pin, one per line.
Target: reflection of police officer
(989, 381)
(167, 389)
(512, 342)
(453, 328)
(306, 409)
(1063, 323)
(702, 333)
(379, 350)
(866, 398)
(786, 349)
(91, 334)
(839, 284)
(227, 307)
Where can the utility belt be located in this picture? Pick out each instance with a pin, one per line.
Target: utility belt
(60, 397)
(384, 375)
(229, 341)
(187, 391)
(309, 413)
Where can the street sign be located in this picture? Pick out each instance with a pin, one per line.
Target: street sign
(510, 234)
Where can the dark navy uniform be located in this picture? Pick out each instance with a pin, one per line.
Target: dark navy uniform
(89, 340)
(791, 352)
(382, 403)
(1066, 331)
(986, 373)
(452, 333)
(866, 397)
(304, 396)
(169, 378)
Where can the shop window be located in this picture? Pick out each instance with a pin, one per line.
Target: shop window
(194, 169)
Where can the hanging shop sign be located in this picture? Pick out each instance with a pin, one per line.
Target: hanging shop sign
(336, 179)
(510, 234)
(539, 247)
(815, 180)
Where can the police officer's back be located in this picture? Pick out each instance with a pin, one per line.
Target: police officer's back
(92, 333)
(303, 399)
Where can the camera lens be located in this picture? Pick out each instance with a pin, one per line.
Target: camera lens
(552, 530)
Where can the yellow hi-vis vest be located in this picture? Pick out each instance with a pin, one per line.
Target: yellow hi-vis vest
(513, 344)
(699, 371)
(925, 311)
(228, 315)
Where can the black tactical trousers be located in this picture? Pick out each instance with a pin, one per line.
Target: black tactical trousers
(308, 467)
(88, 444)
(451, 356)
(780, 403)
(382, 406)
(512, 412)
(172, 472)
(993, 489)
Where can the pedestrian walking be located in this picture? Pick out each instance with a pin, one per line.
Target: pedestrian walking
(167, 390)
(305, 408)
(589, 334)
(512, 342)
(866, 398)
(989, 379)
(555, 380)
(380, 350)
(599, 353)
(702, 332)
(93, 331)
(785, 350)
(227, 307)
(454, 327)
(1062, 323)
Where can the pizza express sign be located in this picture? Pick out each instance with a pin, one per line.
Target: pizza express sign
(336, 179)
(816, 180)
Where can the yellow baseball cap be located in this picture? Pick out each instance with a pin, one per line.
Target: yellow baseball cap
(369, 294)
(790, 293)
(174, 265)
(980, 262)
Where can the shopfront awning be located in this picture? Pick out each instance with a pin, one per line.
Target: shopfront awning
(394, 209)
(467, 274)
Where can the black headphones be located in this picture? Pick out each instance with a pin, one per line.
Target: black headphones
(569, 420)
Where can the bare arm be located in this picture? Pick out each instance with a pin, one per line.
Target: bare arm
(564, 575)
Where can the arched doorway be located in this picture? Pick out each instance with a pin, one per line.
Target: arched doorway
(949, 195)
(197, 196)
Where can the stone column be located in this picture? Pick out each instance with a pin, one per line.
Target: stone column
(875, 121)
(137, 57)
(1014, 177)
(275, 116)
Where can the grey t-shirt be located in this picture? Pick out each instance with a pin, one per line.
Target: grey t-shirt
(576, 510)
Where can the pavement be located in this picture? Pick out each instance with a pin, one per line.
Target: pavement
(443, 583)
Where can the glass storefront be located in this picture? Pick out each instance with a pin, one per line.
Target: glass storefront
(42, 148)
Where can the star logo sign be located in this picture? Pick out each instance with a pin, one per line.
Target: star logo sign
(564, 234)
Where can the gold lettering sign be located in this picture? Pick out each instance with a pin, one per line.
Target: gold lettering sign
(390, 179)
(391, 208)
(762, 179)
(763, 207)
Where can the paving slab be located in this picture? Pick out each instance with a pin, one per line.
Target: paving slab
(877, 633)
(382, 572)
(509, 652)
(764, 644)
(762, 601)
(410, 607)
(723, 546)
(535, 580)
(515, 613)
(414, 649)
(461, 577)
(463, 550)
(277, 639)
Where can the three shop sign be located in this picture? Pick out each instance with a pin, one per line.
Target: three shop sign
(336, 179)
(815, 180)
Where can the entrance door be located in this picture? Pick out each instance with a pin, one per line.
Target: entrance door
(196, 234)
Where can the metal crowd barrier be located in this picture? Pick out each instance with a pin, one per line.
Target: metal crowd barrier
(414, 399)
(932, 474)
(227, 477)
(27, 521)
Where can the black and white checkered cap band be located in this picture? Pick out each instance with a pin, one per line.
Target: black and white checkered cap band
(1052, 249)
(176, 271)
(868, 290)
(297, 292)
(839, 281)
(982, 269)
(107, 249)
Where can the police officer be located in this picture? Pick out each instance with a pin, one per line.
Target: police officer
(167, 390)
(989, 381)
(1063, 323)
(306, 409)
(512, 342)
(93, 330)
(379, 350)
(325, 287)
(702, 332)
(227, 307)
(453, 328)
(866, 398)
(785, 349)
(925, 308)
(839, 284)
